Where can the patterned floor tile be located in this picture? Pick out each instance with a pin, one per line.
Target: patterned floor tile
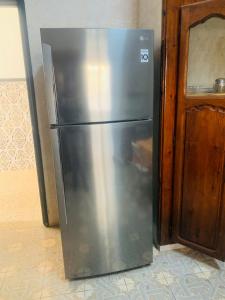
(54, 285)
(72, 296)
(210, 265)
(102, 294)
(178, 262)
(21, 286)
(105, 287)
(2, 278)
(22, 294)
(191, 286)
(147, 293)
(217, 279)
(31, 267)
(19, 201)
(119, 297)
(145, 284)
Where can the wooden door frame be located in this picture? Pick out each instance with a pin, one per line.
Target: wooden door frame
(170, 56)
(170, 44)
(192, 15)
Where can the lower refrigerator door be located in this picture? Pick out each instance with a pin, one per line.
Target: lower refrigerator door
(106, 209)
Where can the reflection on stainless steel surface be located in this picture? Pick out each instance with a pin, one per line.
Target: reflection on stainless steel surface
(99, 76)
(100, 94)
(107, 196)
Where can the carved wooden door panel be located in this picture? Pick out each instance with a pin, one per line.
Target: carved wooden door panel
(199, 194)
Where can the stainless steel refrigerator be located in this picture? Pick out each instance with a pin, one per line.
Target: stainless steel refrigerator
(99, 91)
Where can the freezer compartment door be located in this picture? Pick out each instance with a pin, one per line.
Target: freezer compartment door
(101, 74)
(107, 175)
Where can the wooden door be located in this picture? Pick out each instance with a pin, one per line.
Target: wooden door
(199, 195)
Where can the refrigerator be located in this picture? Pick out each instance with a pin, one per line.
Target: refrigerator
(99, 94)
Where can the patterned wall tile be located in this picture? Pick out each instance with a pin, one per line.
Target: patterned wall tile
(16, 143)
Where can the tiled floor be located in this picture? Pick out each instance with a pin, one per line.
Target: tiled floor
(31, 268)
(19, 196)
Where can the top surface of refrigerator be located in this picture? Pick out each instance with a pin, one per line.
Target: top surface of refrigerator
(98, 75)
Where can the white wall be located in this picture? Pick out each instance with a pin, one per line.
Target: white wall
(75, 13)
(150, 17)
(11, 54)
(16, 143)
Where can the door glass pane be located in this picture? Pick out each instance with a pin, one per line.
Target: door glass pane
(206, 57)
